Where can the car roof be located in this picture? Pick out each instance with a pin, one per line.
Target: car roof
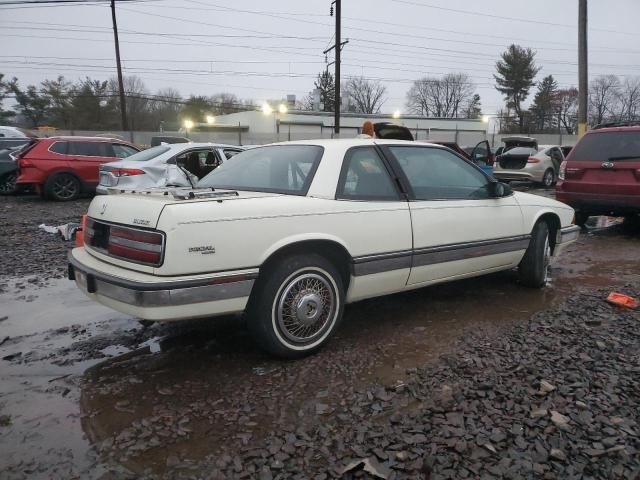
(186, 146)
(628, 128)
(518, 139)
(84, 139)
(353, 142)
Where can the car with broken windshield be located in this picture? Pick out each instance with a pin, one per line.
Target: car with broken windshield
(289, 233)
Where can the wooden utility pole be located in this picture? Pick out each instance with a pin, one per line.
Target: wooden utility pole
(338, 47)
(583, 75)
(123, 105)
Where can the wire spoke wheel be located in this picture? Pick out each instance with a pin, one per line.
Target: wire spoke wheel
(305, 307)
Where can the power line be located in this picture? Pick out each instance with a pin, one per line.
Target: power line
(502, 17)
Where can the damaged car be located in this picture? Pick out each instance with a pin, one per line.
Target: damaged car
(165, 165)
(289, 233)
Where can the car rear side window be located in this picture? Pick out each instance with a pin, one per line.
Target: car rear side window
(607, 146)
(60, 147)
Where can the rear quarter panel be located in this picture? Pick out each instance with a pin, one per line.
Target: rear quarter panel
(245, 233)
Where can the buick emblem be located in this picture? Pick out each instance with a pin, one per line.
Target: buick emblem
(104, 208)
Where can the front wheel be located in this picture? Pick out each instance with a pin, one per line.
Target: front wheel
(534, 266)
(297, 305)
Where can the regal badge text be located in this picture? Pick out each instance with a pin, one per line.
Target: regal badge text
(204, 250)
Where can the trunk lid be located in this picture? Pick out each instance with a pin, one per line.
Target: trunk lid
(141, 212)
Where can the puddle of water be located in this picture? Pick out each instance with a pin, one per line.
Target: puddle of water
(61, 304)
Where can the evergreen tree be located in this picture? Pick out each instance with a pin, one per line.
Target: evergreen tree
(514, 78)
(544, 109)
(325, 85)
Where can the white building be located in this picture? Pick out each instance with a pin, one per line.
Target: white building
(256, 127)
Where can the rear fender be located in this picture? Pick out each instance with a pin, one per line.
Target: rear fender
(295, 239)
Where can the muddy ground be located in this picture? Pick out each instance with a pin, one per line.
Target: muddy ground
(474, 379)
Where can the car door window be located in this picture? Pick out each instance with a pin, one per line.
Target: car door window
(365, 177)
(123, 151)
(90, 149)
(437, 174)
(195, 161)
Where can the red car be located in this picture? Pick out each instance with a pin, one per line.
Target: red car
(601, 175)
(61, 168)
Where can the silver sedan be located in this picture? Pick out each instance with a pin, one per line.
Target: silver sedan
(176, 165)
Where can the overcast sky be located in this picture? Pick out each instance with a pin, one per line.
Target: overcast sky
(262, 50)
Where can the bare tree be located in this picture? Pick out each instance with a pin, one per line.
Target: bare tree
(604, 94)
(629, 98)
(566, 103)
(445, 97)
(165, 107)
(136, 100)
(225, 103)
(367, 95)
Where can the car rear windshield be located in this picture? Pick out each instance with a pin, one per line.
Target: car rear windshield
(277, 168)
(604, 146)
(149, 154)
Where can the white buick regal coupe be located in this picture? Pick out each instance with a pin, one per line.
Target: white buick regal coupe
(291, 232)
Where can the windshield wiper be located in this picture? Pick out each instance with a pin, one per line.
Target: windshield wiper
(624, 157)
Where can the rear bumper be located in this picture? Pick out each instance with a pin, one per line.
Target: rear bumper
(598, 203)
(156, 298)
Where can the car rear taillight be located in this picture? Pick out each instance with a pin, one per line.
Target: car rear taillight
(637, 172)
(137, 245)
(126, 172)
(563, 170)
(533, 160)
(25, 163)
(140, 246)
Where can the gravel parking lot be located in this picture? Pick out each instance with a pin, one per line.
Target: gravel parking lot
(474, 379)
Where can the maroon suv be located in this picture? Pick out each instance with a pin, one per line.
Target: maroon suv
(601, 175)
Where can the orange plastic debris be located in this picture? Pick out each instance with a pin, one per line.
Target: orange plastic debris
(622, 300)
(80, 232)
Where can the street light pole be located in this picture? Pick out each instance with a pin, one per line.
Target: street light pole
(583, 77)
(123, 106)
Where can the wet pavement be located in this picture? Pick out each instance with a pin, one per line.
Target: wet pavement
(89, 393)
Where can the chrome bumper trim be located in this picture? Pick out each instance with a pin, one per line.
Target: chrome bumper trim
(160, 294)
(568, 234)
